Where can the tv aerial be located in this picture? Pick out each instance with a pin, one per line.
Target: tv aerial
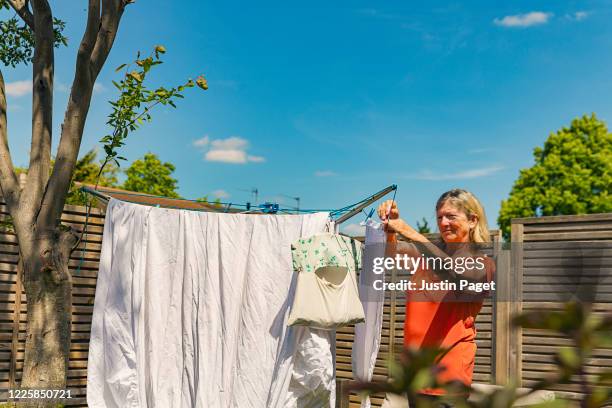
(297, 202)
(254, 191)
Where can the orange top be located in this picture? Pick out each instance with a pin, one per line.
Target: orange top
(443, 324)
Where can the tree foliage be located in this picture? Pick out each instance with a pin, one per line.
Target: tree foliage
(87, 168)
(423, 228)
(136, 100)
(585, 331)
(572, 174)
(150, 176)
(17, 40)
(86, 171)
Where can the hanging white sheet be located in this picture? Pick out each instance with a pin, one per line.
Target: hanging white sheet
(191, 311)
(368, 334)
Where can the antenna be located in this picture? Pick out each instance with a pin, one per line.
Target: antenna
(297, 202)
(253, 191)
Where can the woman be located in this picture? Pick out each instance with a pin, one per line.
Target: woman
(443, 323)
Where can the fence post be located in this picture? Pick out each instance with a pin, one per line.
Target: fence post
(342, 397)
(501, 316)
(516, 302)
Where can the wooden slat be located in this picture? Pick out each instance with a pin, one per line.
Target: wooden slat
(567, 236)
(567, 227)
(15, 328)
(563, 218)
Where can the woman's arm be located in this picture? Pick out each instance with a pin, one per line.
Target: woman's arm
(431, 250)
(389, 215)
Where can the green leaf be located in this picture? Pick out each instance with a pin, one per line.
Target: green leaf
(569, 358)
(136, 75)
(119, 68)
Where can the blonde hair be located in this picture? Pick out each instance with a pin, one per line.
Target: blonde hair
(468, 203)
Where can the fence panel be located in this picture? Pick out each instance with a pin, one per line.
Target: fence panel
(561, 256)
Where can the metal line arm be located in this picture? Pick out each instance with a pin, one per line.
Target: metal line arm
(365, 203)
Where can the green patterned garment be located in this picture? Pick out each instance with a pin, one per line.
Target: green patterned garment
(326, 249)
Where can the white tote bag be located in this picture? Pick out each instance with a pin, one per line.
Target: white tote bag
(326, 294)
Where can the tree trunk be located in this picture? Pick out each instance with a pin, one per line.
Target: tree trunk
(48, 287)
(44, 244)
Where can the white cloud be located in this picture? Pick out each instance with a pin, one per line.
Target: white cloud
(354, 230)
(222, 194)
(202, 142)
(231, 150)
(226, 156)
(461, 175)
(324, 173)
(256, 159)
(18, 88)
(524, 20)
(21, 88)
(61, 87)
(578, 16)
(98, 87)
(231, 143)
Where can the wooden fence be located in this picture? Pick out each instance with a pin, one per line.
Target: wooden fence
(84, 267)
(503, 352)
(557, 257)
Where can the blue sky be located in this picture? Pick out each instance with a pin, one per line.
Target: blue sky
(332, 101)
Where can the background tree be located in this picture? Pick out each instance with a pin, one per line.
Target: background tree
(423, 228)
(572, 174)
(150, 176)
(87, 168)
(86, 171)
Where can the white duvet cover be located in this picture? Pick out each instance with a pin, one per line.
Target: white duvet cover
(191, 309)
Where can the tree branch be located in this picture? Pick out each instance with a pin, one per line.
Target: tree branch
(22, 9)
(8, 179)
(91, 58)
(89, 37)
(42, 111)
(111, 15)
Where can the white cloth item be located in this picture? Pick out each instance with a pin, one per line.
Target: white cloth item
(326, 294)
(395, 401)
(191, 311)
(368, 334)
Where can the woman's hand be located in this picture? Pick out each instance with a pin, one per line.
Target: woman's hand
(389, 210)
(389, 215)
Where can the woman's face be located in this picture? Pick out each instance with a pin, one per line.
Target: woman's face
(453, 223)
